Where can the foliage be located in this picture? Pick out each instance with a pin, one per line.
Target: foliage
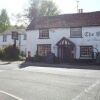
(11, 53)
(48, 8)
(19, 27)
(1, 53)
(37, 58)
(20, 20)
(41, 8)
(4, 21)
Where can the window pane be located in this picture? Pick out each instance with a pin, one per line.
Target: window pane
(76, 32)
(44, 33)
(86, 51)
(43, 49)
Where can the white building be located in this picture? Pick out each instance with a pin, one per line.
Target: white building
(6, 39)
(69, 36)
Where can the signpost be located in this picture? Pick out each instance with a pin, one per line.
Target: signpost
(14, 37)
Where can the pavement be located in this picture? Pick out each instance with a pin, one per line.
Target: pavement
(48, 83)
(85, 65)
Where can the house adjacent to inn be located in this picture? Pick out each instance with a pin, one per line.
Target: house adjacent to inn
(68, 36)
(6, 39)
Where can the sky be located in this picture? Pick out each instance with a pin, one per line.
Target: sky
(66, 6)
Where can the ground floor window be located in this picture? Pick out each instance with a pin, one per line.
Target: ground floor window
(43, 49)
(86, 51)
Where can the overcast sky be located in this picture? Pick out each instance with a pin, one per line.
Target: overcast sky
(65, 6)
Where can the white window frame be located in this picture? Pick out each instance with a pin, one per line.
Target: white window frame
(76, 32)
(44, 34)
(86, 52)
(43, 49)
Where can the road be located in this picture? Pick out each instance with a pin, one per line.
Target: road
(42, 83)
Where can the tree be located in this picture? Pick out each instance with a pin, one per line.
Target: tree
(4, 21)
(48, 8)
(41, 8)
(20, 20)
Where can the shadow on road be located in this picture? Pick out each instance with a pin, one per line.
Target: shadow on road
(5, 63)
(23, 65)
(66, 65)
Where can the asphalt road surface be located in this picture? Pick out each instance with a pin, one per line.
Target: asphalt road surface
(42, 83)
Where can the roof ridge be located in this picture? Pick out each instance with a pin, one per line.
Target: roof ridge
(66, 20)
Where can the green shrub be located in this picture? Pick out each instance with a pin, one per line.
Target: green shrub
(1, 53)
(39, 58)
(11, 53)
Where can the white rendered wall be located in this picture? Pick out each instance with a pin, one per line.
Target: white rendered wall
(21, 43)
(57, 34)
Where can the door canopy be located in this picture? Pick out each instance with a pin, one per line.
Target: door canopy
(65, 41)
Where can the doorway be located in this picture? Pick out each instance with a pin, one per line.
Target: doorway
(65, 50)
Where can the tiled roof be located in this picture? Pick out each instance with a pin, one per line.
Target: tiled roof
(66, 20)
(9, 32)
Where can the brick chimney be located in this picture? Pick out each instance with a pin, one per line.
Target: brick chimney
(80, 10)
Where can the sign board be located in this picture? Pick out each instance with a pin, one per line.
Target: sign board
(15, 35)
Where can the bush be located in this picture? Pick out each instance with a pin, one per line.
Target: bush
(11, 53)
(39, 58)
(1, 53)
(36, 58)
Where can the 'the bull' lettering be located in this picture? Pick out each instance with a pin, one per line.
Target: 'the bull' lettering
(88, 34)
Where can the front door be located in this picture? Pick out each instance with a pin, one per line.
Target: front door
(64, 54)
(65, 50)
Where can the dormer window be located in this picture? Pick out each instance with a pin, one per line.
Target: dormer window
(44, 33)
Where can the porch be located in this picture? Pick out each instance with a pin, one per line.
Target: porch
(65, 50)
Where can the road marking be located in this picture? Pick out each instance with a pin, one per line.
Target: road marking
(87, 90)
(11, 95)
